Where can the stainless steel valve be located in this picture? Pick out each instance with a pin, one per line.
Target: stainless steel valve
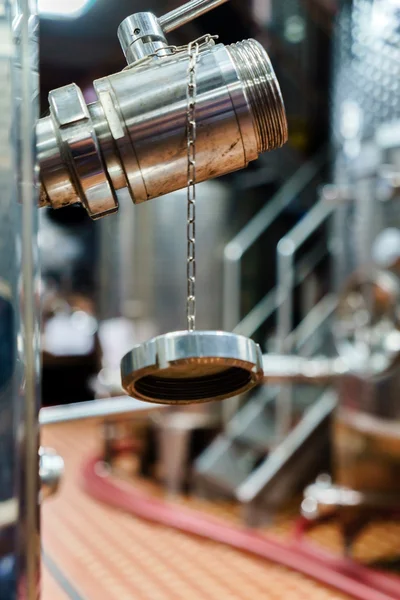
(134, 137)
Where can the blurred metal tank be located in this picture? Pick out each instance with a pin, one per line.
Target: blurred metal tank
(366, 91)
(366, 138)
(149, 283)
(365, 96)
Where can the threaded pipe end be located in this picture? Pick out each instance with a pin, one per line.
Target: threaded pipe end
(262, 92)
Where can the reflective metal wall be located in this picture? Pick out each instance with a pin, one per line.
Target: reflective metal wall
(19, 331)
(366, 136)
(365, 98)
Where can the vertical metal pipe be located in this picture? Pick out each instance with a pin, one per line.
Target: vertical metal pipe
(285, 268)
(109, 280)
(368, 220)
(29, 440)
(232, 275)
(232, 286)
(19, 325)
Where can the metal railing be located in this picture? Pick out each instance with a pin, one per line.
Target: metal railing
(270, 303)
(236, 249)
(255, 228)
(287, 248)
(298, 339)
(108, 408)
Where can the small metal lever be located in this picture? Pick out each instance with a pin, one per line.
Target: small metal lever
(143, 34)
(186, 13)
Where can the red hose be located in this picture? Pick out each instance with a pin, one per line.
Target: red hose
(380, 581)
(341, 574)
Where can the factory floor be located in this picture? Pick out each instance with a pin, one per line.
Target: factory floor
(95, 552)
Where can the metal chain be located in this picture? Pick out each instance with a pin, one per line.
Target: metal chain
(193, 51)
(203, 42)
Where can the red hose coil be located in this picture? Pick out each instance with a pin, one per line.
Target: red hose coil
(342, 574)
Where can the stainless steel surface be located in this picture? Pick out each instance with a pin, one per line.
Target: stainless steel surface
(366, 104)
(187, 12)
(51, 471)
(227, 130)
(70, 130)
(174, 449)
(19, 348)
(366, 70)
(141, 35)
(138, 129)
(55, 175)
(366, 430)
(73, 123)
(25, 36)
(123, 407)
(186, 367)
(152, 279)
(175, 430)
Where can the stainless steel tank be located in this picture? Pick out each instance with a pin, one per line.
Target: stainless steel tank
(366, 137)
(158, 272)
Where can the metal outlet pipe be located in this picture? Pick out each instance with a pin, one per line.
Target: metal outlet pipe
(134, 137)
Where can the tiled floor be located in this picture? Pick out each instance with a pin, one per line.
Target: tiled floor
(109, 555)
(50, 588)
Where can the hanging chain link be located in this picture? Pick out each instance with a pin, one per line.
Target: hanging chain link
(203, 42)
(193, 51)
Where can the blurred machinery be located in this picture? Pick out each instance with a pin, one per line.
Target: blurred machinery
(323, 426)
(366, 105)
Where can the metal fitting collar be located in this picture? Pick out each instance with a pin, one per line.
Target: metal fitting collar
(191, 367)
(81, 150)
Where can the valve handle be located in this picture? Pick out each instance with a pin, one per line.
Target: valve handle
(143, 34)
(186, 13)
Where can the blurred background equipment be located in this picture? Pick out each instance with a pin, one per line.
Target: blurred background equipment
(59, 9)
(299, 252)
